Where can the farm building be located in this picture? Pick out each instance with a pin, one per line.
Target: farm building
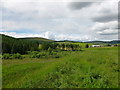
(95, 46)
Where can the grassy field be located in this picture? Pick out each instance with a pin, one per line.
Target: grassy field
(90, 68)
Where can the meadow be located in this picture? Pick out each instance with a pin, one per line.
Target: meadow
(89, 68)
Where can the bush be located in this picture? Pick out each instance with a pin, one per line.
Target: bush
(56, 56)
(32, 52)
(0, 56)
(38, 54)
(50, 49)
(53, 53)
(12, 56)
(6, 56)
(17, 56)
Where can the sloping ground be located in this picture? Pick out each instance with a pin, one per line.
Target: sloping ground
(38, 39)
(15, 45)
(92, 68)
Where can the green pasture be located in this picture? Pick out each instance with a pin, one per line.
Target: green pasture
(89, 68)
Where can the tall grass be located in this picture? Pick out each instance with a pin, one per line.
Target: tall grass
(91, 68)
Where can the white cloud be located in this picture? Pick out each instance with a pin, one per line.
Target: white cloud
(106, 20)
(75, 38)
(106, 11)
(108, 32)
(57, 21)
(50, 35)
(103, 26)
(21, 35)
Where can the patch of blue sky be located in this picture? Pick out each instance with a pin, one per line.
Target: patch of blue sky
(21, 31)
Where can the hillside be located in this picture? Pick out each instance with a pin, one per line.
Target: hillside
(4, 37)
(38, 39)
(16, 45)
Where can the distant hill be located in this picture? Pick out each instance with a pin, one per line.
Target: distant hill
(38, 39)
(114, 42)
(109, 42)
(68, 41)
(95, 42)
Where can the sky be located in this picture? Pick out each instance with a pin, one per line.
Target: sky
(60, 19)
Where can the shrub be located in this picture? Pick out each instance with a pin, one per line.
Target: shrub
(53, 53)
(17, 56)
(50, 49)
(38, 54)
(32, 52)
(32, 56)
(56, 56)
(0, 56)
(6, 56)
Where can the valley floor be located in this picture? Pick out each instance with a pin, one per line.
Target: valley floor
(90, 68)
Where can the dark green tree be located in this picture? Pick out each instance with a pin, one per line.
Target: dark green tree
(86, 46)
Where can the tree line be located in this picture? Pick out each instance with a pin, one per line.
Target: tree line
(57, 46)
(12, 45)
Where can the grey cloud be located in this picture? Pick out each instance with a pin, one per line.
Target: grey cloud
(119, 10)
(105, 26)
(109, 33)
(79, 5)
(41, 19)
(105, 18)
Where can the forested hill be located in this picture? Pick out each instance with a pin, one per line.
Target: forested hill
(38, 39)
(14, 45)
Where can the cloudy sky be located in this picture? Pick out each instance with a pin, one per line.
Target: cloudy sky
(60, 19)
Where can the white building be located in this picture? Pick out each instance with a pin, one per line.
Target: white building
(95, 46)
